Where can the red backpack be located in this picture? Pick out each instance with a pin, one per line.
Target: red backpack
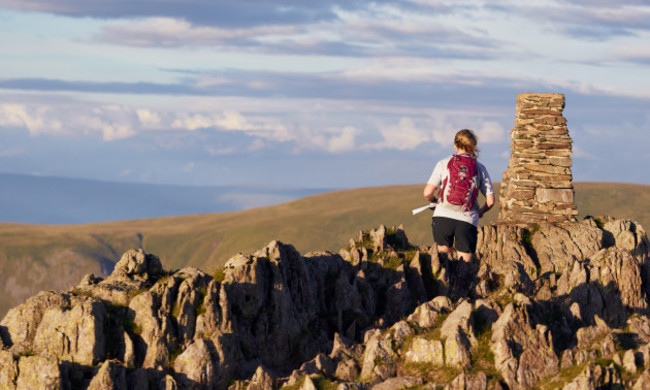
(461, 188)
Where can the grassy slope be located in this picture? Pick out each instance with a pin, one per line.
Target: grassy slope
(39, 257)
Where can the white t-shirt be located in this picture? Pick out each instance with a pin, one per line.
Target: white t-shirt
(440, 173)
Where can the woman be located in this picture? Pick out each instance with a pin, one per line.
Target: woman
(455, 223)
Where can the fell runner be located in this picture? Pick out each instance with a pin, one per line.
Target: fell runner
(459, 177)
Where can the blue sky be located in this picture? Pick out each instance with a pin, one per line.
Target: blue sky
(322, 94)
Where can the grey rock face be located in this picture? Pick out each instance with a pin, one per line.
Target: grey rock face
(545, 299)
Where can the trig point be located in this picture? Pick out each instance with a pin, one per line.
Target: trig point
(537, 186)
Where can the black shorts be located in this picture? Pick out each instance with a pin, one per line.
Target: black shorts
(452, 232)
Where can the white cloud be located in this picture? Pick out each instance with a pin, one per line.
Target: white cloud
(116, 132)
(491, 132)
(171, 32)
(444, 135)
(256, 145)
(147, 117)
(265, 127)
(32, 118)
(343, 142)
(404, 136)
(193, 122)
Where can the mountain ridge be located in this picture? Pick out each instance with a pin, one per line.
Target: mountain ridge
(60, 200)
(31, 254)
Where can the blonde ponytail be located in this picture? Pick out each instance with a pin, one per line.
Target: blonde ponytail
(466, 140)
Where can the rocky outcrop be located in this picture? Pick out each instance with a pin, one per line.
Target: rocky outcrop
(555, 305)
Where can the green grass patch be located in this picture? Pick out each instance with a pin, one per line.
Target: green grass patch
(219, 275)
(527, 236)
(430, 372)
(599, 223)
(563, 378)
(136, 292)
(483, 358)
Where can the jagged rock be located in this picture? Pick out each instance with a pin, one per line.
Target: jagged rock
(262, 380)
(38, 372)
(629, 361)
(111, 376)
(347, 370)
(463, 381)
(308, 384)
(18, 328)
(59, 325)
(620, 273)
(340, 347)
(382, 240)
(136, 264)
(486, 312)
(424, 350)
(418, 275)
(458, 351)
(89, 280)
(459, 320)
(401, 382)
(379, 360)
(643, 382)
(214, 315)
(168, 383)
(135, 272)
(566, 359)
(74, 333)
(640, 326)
(8, 370)
(151, 313)
(189, 298)
(400, 331)
(555, 244)
(398, 300)
(320, 365)
(458, 333)
(595, 377)
(587, 335)
(195, 368)
(523, 349)
(588, 355)
(644, 355)
(608, 346)
(426, 314)
(502, 246)
(625, 234)
(278, 309)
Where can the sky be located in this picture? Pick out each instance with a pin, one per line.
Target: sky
(313, 94)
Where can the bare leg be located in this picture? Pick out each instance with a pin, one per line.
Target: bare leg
(467, 257)
(449, 251)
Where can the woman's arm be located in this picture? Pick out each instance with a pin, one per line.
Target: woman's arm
(429, 192)
(489, 202)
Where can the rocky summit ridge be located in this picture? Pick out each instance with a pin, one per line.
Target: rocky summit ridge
(550, 305)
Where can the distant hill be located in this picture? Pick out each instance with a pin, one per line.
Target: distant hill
(43, 257)
(55, 200)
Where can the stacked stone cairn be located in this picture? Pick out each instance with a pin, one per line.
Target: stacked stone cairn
(537, 186)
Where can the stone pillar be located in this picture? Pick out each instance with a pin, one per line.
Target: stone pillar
(537, 186)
